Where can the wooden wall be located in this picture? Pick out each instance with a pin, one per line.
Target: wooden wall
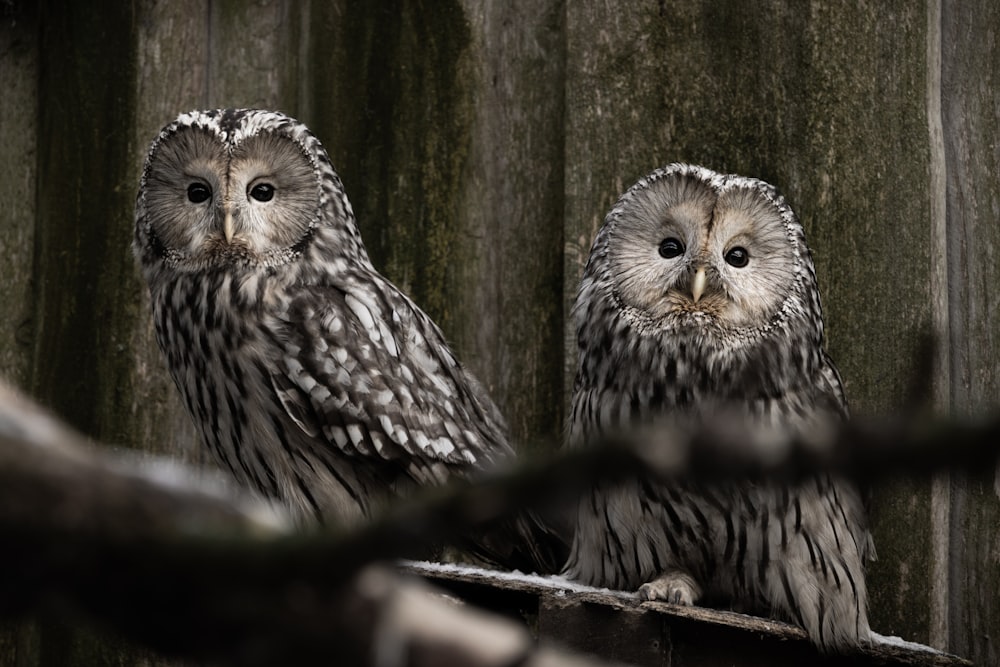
(481, 143)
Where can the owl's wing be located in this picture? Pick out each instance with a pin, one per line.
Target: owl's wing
(832, 388)
(366, 370)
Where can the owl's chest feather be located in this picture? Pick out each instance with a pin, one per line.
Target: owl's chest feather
(212, 341)
(628, 375)
(221, 352)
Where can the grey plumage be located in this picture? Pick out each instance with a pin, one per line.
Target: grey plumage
(700, 299)
(311, 378)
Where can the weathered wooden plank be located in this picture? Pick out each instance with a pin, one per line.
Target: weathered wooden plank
(19, 111)
(253, 54)
(970, 79)
(828, 103)
(18, 137)
(390, 103)
(617, 626)
(510, 211)
(85, 279)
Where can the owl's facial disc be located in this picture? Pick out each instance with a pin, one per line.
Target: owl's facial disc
(687, 256)
(209, 203)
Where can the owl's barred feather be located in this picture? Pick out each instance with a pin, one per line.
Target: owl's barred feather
(311, 378)
(699, 302)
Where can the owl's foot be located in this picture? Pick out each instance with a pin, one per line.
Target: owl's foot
(675, 587)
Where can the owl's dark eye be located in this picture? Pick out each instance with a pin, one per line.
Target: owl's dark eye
(198, 192)
(671, 247)
(262, 192)
(738, 257)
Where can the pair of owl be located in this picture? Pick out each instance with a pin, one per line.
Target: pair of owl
(314, 380)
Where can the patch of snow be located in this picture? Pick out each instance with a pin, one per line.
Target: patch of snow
(183, 478)
(902, 643)
(554, 583)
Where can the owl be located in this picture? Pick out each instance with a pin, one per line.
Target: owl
(699, 301)
(311, 378)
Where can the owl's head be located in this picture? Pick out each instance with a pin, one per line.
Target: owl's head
(239, 188)
(688, 249)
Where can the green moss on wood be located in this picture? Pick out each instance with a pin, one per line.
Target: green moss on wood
(18, 129)
(86, 283)
(86, 286)
(392, 109)
(254, 58)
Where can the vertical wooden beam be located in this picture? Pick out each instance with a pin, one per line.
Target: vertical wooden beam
(18, 137)
(510, 209)
(18, 132)
(253, 54)
(86, 288)
(939, 584)
(390, 102)
(85, 280)
(971, 119)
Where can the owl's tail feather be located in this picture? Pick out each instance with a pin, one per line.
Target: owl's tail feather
(830, 604)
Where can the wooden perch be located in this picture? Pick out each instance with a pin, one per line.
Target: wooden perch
(616, 624)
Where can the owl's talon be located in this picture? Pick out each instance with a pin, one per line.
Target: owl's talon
(674, 587)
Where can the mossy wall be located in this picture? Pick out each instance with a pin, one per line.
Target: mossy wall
(482, 143)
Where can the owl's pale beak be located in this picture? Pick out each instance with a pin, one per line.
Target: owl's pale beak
(227, 226)
(698, 284)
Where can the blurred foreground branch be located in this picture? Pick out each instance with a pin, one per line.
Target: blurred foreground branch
(197, 572)
(192, 569)
(867, 450)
